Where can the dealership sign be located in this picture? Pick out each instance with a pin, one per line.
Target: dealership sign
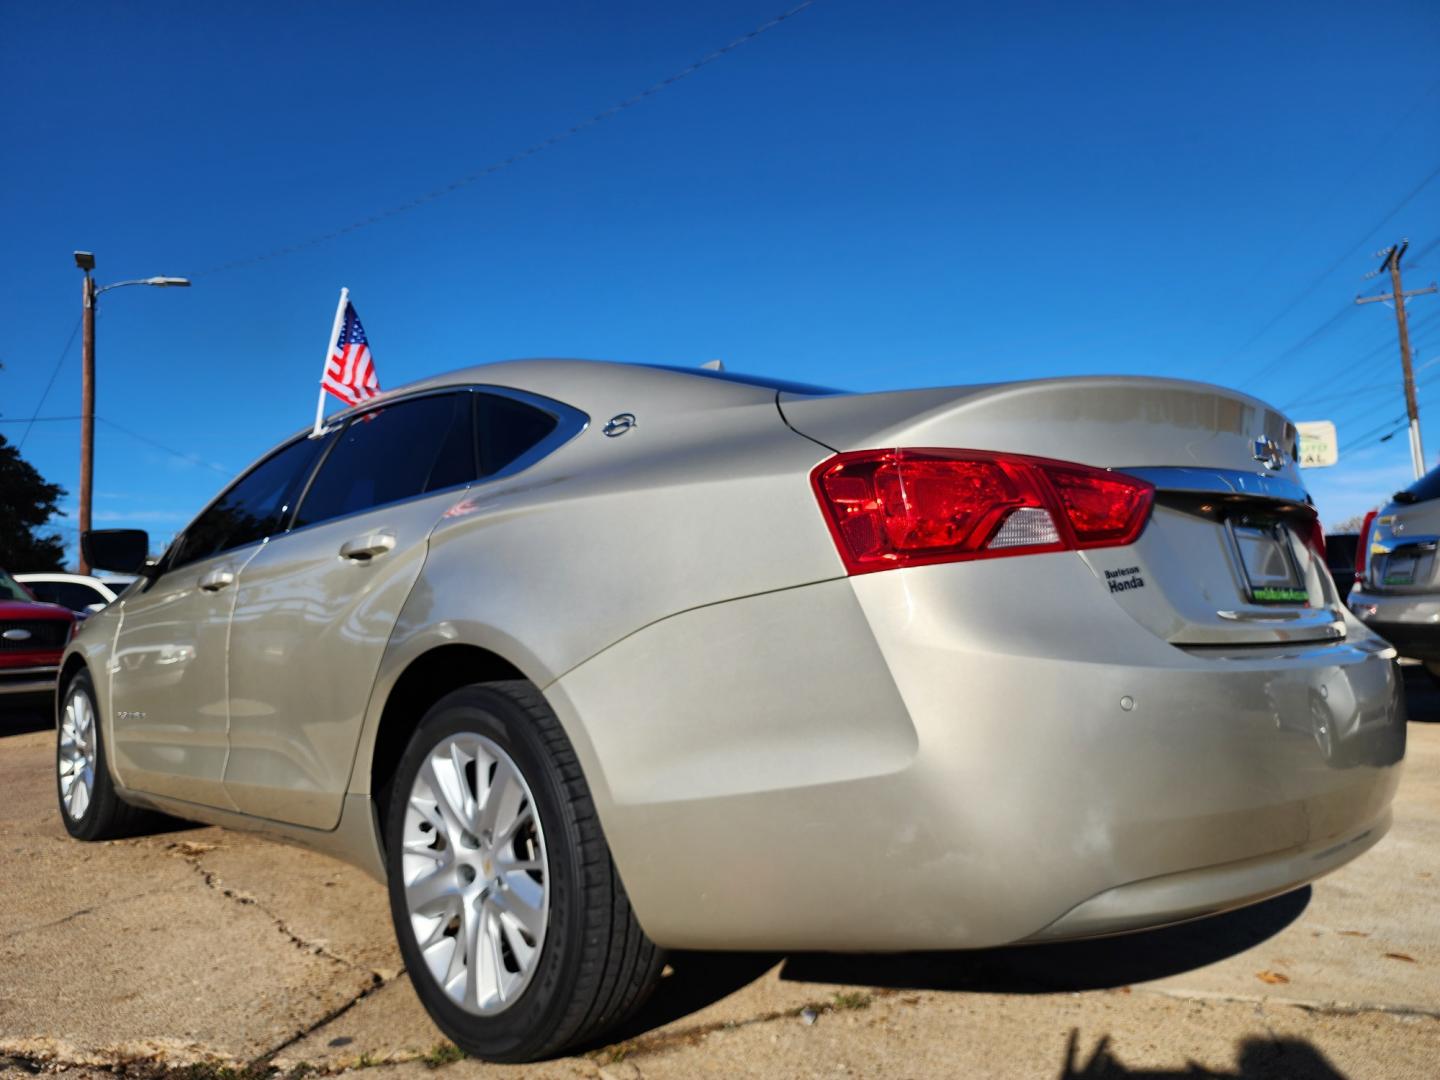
(1318, 444)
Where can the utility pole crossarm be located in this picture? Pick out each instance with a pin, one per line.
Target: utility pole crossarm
(1405, 296)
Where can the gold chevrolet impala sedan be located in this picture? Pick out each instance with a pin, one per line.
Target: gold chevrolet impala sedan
(589, 660)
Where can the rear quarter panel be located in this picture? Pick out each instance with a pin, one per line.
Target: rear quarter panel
(706, 499)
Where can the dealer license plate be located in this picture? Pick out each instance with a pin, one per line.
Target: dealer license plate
(1269, 567)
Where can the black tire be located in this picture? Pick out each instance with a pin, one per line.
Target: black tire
(105, 817)
(596, 966)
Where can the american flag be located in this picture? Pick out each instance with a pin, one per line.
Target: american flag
(349, 369)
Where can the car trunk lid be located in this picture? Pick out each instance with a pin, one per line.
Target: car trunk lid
(1224, 559)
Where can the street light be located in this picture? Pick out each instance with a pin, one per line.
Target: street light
(85, 260)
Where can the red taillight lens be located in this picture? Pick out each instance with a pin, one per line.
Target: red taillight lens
(1104, 509)
(1362, 549)
(1316, 537)
(891, 508)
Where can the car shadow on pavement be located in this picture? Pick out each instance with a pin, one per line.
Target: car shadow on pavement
(1255, 1059)
(699, 979)
(1098, 964)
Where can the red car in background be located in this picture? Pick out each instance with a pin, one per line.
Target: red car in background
(32, 637)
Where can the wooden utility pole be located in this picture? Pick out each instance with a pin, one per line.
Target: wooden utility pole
(87, 412)
(85, 260)
(1399, 295)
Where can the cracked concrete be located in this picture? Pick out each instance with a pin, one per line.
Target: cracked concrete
(193, 852)
(139, 957)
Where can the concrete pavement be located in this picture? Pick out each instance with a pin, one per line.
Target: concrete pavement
(200, 946)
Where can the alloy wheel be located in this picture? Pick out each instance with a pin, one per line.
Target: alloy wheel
(475, 873)
(76, 758)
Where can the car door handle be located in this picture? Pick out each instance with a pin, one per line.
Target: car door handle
(367, 547)
(216, 580)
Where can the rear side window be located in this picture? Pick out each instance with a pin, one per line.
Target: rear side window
(253, 508)
(506, 429)
(394, 453)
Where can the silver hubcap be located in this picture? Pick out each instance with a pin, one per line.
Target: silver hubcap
(477, 880)
(76, 758)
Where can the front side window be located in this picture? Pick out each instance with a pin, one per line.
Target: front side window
(396, 452)
(255, 507)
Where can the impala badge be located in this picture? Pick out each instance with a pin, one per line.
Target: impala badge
(619, 424)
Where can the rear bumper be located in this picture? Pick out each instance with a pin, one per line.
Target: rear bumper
(933, 758)
(15, 682)
(1193, 894)
(1409, 622)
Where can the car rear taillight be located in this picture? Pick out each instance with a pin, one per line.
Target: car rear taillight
(1315, 538)
(889, 508)
(1362, 549)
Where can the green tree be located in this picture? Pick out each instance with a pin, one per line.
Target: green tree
(27, 502)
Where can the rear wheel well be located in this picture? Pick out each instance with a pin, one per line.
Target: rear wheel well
(428, 678)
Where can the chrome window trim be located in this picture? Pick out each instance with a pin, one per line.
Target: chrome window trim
(1219, 481)
(569, 422)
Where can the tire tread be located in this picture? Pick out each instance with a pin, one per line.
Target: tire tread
(614, 965)
(622, 964)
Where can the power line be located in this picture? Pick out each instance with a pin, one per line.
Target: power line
(53, 373)
(1364, 164)
(1344, 395)
(1426, 249)
(1425, 322)
(521, 155)
(1350, 363)
(1319, 280)
(1305, 342)
(1404, 417)
(192, 458)
(1390, 428)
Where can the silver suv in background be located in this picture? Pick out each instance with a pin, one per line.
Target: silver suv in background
(1397, 572)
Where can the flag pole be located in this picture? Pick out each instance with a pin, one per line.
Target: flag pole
(334, 337)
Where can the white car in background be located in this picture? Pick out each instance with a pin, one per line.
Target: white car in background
(79, 592)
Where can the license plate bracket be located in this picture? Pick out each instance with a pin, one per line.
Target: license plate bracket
(1266, 561)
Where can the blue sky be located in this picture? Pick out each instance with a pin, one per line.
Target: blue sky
(868, 195)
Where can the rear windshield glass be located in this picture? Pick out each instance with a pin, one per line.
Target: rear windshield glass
(1423, 490)
(750, 380)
